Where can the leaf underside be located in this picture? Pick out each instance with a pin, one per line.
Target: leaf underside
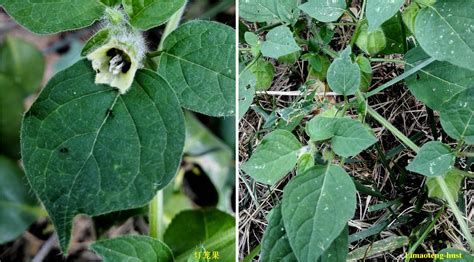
(52, 16)
(88, 149)
(146, 14)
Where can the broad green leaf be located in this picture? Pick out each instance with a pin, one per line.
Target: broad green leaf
(385, 245)
(454, 255)
(17, 205)
(285, 11)
(279, 42)
(21, 73)
(217, 163)
(379, 11)
(210, 228)
(275, 245)
(146, 14)
(351, 137)
(337, 251)
(365, 72)
(344, 75)
(273, 158)
(409, 16)
(53, 16)
(433, 159)
(446, 31)
(395, 35)
(132, 248)
(348, 137)
(453, 179)
(100, 38)
(320, 197)
(199, 63)
(371, 42)
(324, 10)
(438, 82)
(457, 116)
(87, 149)
(263, 71)
(247, 83)
(321, 128)
(23, 63)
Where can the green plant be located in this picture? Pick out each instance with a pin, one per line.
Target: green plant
(108, 133)
(310, 222)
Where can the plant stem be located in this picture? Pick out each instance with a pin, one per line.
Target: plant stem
(388, 60)
(442, 184)
(155, 207)
(156, 216)
(384, 122)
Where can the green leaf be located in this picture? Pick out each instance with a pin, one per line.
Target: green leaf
(146, 14)
(210, 228)
(457, 116)
(23, 63)
(365, 72)
(21, 73)
(453, 179)
(99, 39)
(344, 75)
(433, 159)
(454, 255)
(371, 42)
(275, 245)
(273, 158)
(17, 205)
(52, 16)
(251, 38)
(199, 63)
(395, 35)
(280, 42)
(132, 248)
(323, 10)
(379, 11)
(285, 11)
(446, 31)
(337, 251)
(348, 137)
(320, 197)
(87, 149)
(438, 82)
(72, 56)
(247, 83)
(264, 72)
(409, 16)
